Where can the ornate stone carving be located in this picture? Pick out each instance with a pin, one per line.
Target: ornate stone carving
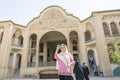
(16, 36)
(113, 16)
(54, 18)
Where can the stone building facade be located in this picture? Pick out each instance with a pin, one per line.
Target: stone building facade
(28, 51)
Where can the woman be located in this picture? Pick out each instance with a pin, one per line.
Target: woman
(85, 71)
(65, 63)
(78, 71)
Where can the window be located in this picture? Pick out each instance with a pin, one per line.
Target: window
(106, 30)
(113, 28)
(75, 47)
(33, 41)
(41, 47)
(87, 36)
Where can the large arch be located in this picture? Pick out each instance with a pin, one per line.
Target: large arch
(47, 47)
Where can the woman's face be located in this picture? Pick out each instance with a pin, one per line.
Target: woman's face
(63, 49)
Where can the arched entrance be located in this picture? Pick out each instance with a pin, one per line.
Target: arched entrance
(17, 65)
(91, 60)
(10, 65)
(14, 65)
(47, 47)
(18, 61)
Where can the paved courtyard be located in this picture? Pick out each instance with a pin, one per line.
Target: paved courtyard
(91, 78)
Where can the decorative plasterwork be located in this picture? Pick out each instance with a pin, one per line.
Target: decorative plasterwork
(52, 18)
(112, 16)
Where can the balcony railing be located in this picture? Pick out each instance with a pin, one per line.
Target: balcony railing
(90, 41)
(17, 46)
(113, 36)
(32, 64)
(44, 64)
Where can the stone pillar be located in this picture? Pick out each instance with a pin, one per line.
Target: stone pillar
(68, 42)
(24, 57)
(100, 46)
(96, 57)
(109, 28)
(37, 52)
(5, 50)
(118, 27)
(83, 54)
(45, 51)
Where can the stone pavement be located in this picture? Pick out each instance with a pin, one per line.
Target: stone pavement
(91, 78)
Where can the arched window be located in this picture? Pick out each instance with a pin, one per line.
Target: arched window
(17, 38)
(87, 35)
(111, 50)
(32, 51)
(113, 28)
(33, 41)
(106, 30)
(10, 64)
(74, 47)
(20, 40)
(74, 41)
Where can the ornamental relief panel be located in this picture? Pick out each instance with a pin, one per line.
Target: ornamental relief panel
(52, 19)
(111, 17)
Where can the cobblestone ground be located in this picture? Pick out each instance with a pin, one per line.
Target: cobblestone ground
(91, 78)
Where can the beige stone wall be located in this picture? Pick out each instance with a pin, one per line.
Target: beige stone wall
(53, 25)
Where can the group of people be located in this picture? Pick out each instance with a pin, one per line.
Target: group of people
(67, 66)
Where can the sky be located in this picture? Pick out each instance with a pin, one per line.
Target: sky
(23, 11)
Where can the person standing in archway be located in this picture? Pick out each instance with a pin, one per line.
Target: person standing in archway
(65, 63)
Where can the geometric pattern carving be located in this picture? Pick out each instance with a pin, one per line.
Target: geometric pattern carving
(54, 18)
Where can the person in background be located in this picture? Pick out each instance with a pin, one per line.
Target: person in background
(91, 60)
(85, 71)
(95, 69)
(78, 70)
(65, 63)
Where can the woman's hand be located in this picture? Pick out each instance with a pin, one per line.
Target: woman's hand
(58, 47)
